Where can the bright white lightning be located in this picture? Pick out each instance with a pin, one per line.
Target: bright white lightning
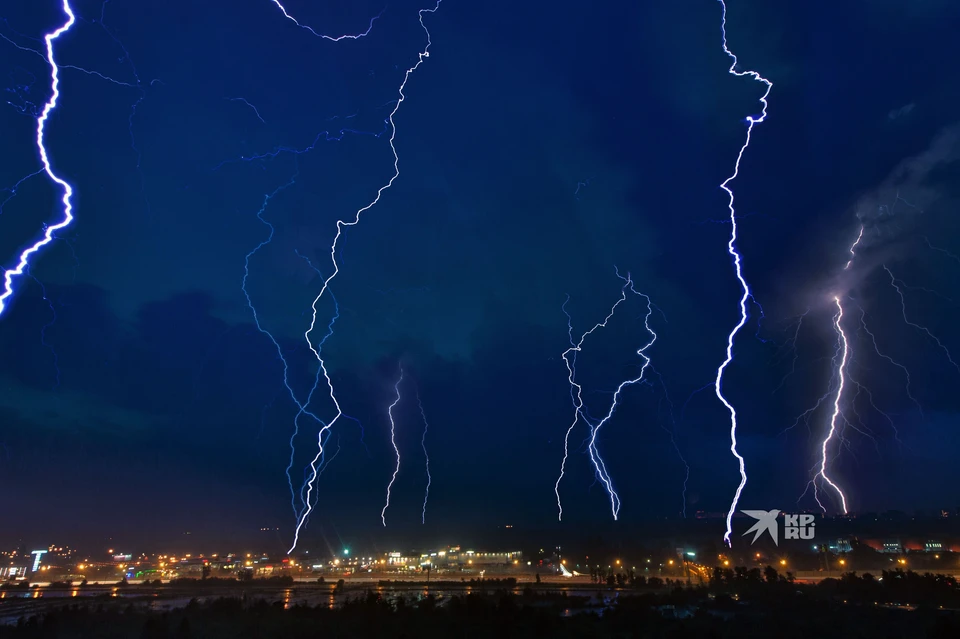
(341, 224)
(732, 250)
(576, 393)
(393, 442)
(51, 229)
(853, 248)
(841, 377)
(423, 444)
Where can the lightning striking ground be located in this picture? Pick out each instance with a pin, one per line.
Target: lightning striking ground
(50, 230)
(737, 261)
(576, 394)
(838, 398)
(842, 377)
(393, 442)
(341, 224)
(426, 455)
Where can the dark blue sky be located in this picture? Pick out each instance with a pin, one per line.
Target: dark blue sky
(540, 147)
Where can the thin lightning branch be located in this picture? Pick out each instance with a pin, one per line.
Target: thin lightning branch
(732, 250)
(12, 190)
(862, 388)
(137, 102)
(805, 415)
(393, 442)
(898, 285)
(841, 374)
(249, 105)
(67, 189)
(853, 249)
(423, 444)
(672, 432)
(876, 348)
(792, 344)
(333, 248)
(952, 256)
(326, 37)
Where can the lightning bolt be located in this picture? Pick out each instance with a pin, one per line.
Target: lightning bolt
(844, 349)
(341, 225)
(423, 444)
(393, 442)
(732, 250)
(50, 230)
(576, 394)
(321, 35)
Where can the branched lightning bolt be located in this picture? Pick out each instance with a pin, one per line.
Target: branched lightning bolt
(576, 394)
(732, 250)
(302, 407)
(341, 224)
(393, 442)
(426, 455)
(50, 230)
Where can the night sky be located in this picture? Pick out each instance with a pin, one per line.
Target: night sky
(542, 148)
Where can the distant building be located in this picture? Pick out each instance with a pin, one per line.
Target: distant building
(490, 558)
(838, 546)
(932, 546)
(13, 571)
(892, 546)
(453, 557)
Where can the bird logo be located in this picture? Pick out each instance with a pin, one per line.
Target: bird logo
(766, 521)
